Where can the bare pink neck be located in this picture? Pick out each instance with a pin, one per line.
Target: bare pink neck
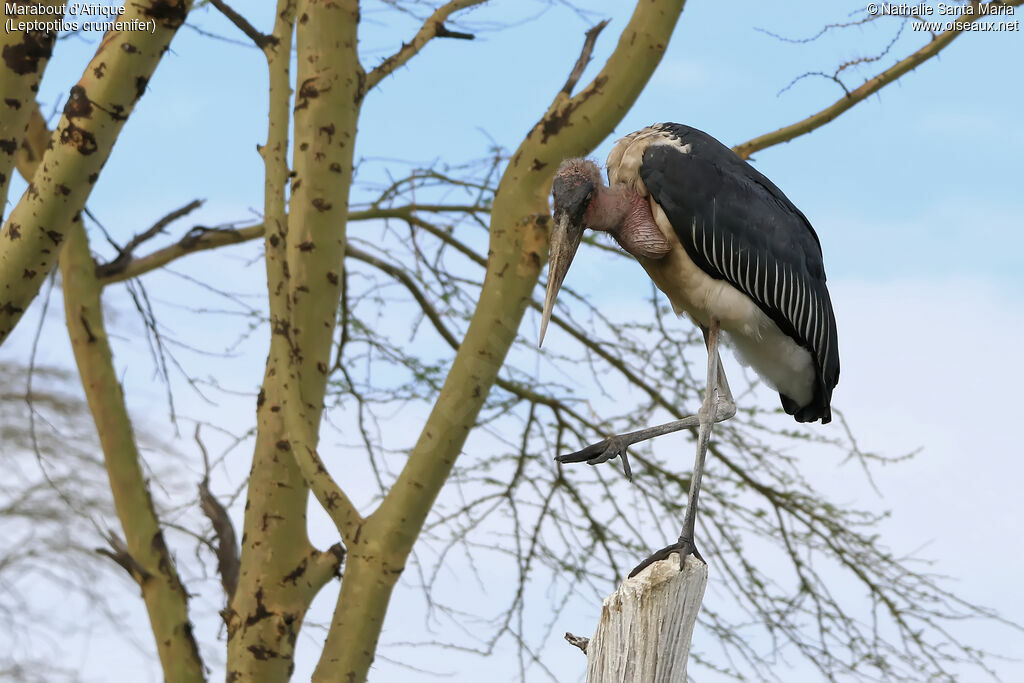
(627, 216)
(608, 209)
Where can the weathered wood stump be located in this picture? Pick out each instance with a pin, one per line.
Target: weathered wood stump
(646, 625)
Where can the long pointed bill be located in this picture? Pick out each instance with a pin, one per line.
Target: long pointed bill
(565, 239)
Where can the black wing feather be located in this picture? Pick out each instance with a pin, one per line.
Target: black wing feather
(738, 226)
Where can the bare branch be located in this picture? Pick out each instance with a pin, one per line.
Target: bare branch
(201, 238)
(262, 40)
(584, 59)
(227, 544)
(119, 553)
(815, 121)
(577, 641)
(433, 27)
(125, 255)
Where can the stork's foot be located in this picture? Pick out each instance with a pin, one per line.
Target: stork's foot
(602, 451)
(684, 546)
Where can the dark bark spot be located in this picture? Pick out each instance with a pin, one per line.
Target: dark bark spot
(261, 612)
(140, 86)
(537, 165)
(99, 69)
(28, 274)
(307, 91)
(79, 138)
(321, 204)
(170, 12)
(14, 231)
(332, 277)
(294, 575)
(24, 57)
(63, 189)
(307, 246)
(274, 240)
(8, 146)
(12, 102)
(262, 653)
(10, 309)
(304, 146)
(78, 105)
(260, 399)
(304, 18)
(321, 366)
(186, 627)
(283, 445)
(55, 236)
(92, 177)
(328, 130)
(335, 167)
(129, 48)
(554, 123)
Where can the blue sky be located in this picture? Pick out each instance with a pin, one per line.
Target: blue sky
(914, 193)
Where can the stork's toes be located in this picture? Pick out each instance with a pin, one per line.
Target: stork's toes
(683, 546)
(600, 452)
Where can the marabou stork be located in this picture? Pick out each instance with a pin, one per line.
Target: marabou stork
(729, 249)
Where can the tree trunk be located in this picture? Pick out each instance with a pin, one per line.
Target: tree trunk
(646, 625)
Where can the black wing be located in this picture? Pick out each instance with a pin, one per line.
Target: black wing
(738, 226)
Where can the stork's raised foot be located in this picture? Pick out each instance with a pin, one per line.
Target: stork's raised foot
(683, 546)
(602, 451)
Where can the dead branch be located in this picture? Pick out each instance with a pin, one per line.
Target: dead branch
(585, 54)
(201, 238)
(432, 28)
(577, 641)
(119, 553)
(226, 545)
(262, 40)
(125, 255)
(868, 88)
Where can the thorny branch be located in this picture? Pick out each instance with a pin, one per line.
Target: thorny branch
(868, 88)
(262, 40)
(432, 28)
(584, 58)
(125, 255)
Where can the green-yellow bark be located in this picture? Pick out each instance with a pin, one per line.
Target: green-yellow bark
(573, 126)
(24, 55)
(280, 571)
(152, 565)
(97, 108)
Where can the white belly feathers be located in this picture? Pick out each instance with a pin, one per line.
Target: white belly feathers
(781, 362)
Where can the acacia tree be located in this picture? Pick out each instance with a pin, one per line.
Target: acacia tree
(470, 269)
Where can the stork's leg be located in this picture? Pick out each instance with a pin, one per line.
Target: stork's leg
(718, 405)
(718, 388)
(616, 446)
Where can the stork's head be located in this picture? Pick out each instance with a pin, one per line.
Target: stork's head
(576, 183)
